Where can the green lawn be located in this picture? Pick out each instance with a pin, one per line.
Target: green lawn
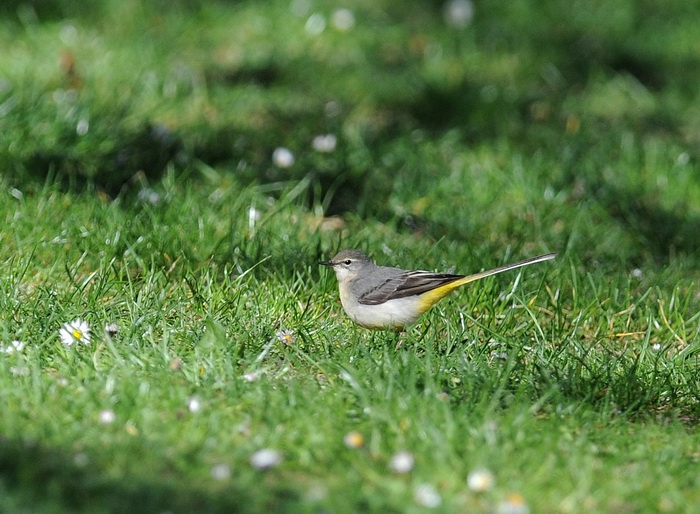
(139, 193)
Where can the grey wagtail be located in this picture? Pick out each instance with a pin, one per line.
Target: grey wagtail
(380, 297)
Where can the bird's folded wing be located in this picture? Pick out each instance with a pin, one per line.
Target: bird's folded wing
(411, 283)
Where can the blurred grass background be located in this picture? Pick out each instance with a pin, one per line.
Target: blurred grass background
(139, 186)
(595, 101)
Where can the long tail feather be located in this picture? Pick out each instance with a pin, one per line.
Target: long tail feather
(506, 267)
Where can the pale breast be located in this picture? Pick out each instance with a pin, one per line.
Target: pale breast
(391, 314)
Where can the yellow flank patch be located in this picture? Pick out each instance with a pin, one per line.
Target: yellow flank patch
(427, 300)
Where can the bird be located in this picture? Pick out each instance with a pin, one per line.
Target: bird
(387, 298)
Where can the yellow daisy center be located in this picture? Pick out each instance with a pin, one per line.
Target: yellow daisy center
(77, 333)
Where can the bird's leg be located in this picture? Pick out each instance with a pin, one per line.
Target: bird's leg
(399, 333)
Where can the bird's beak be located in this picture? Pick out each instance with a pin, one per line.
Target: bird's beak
(327, 263)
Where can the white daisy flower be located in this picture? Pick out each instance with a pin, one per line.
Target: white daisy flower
(194, 405)
(426, 495)
(480, 480)
(77, 331)
(324, 143)
(14, 347)
(343, 20)
(107, 416)
(402, 462)
(265, 458)
(221, 472)
(283, 157)
(81, 459)
(354, 439)
(513, 504)
(459, 13)
(315, 24)
(286, 337)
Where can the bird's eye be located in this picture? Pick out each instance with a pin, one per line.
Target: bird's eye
(347, 262)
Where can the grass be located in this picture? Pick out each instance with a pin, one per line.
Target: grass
(138, 189)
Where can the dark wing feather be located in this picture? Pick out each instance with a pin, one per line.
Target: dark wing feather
(410, 283)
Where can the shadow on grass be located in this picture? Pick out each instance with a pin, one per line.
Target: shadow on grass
(624, 386)
(146, 150)
(43, 479)
(661, 231)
